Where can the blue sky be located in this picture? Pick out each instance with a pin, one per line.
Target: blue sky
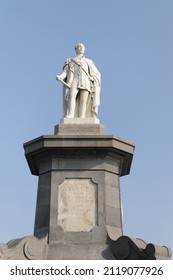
(132, 45)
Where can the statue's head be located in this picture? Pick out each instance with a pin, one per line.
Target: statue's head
(80, 48)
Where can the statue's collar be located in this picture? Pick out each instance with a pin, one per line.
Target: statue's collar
(79, 56)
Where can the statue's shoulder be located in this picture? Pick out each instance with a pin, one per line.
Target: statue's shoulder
(68, 60)
(89, 61)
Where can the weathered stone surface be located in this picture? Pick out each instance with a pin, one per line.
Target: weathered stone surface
(125, 248)
(97, 251)
(80, 146)
(77, 205)
(78, 212)
(80, 178)
(26, 248)
(79, 121)
(79, 129)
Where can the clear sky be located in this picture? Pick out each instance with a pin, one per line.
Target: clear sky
(131, 43)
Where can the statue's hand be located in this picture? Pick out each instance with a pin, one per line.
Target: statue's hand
(58, 78)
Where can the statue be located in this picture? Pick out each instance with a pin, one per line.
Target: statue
(81, 86)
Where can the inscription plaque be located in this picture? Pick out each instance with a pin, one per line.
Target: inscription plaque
(77, 205)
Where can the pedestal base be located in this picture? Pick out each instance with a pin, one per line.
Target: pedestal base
(124, 248)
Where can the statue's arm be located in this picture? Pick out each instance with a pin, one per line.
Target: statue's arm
(63, 74)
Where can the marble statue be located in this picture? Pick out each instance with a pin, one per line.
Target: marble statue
(81, 86)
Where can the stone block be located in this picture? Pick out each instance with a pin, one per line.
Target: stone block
(79, 129)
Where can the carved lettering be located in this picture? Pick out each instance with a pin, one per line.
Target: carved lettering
(77, 205)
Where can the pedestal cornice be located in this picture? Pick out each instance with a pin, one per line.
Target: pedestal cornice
(51, 145)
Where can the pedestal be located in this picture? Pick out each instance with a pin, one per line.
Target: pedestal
(78, 201)
(78, 211)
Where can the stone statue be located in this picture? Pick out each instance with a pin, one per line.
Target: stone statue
(81, 92)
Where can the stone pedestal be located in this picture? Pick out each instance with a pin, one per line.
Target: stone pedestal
(78, 210)
(78, 202)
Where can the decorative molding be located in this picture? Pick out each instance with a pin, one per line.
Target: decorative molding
(125, 248)
(26, 248)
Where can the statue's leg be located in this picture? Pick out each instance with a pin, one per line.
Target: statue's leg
(83, 98)
(72, 102)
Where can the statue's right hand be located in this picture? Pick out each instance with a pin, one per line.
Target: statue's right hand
(58, 78)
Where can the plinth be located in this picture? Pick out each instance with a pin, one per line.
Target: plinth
(78, 201)
(78, 210)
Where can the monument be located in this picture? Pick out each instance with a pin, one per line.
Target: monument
(78, 209)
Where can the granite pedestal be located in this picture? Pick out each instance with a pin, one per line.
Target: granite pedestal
(78, 202)
(78, 209)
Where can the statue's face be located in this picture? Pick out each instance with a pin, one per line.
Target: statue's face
(80, 49)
